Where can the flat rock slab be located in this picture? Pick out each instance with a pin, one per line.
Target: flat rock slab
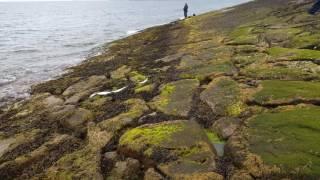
(5, 144)
(179, 148)
(85, 85)
(289, 139)
(289, 54)
(223, 96)
(286, 92)
(205, 70)
(176, 97)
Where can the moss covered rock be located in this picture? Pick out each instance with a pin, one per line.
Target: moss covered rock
(176, 97)
(208, 69)
(120, 73)
(281, 53)
(85, 85)
(86, 162)
(288, 139)
(286, 92)
(178, 148)
(145, 89)
(223, 96)
(243, 36)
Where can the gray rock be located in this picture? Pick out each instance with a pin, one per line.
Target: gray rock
(151, 174)
(225, 127)
(109, 159)
(90, 84)
(128, 169)
(77, 121)
(52, 101)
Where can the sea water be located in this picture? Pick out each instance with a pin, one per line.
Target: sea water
(38, 40)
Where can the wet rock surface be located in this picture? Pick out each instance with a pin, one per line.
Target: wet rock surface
(231, 94)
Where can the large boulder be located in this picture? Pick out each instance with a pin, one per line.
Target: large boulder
(176, 97)
(178, 148)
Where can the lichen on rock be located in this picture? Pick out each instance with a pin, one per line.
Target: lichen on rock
(176, 97)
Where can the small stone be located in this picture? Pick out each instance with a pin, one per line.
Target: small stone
(225, 127)
(109, 159)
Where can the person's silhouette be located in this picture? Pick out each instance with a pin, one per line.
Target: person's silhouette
(185, 10)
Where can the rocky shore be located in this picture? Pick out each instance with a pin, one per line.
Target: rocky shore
(231, 94)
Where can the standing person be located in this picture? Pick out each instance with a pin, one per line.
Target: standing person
(315, 8)
(185, 10)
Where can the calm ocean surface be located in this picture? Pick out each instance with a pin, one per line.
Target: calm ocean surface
(38, 40)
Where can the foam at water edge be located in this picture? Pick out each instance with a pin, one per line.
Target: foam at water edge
(131, 32)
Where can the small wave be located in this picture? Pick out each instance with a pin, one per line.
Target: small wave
(7, 79)
(131, 32)
(26, 51)
(80, 44)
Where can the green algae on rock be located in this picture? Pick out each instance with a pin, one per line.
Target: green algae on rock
(289, 140)
(285, 92)
(294, 54)
(176, 97)
(178, 148)
(224, 97)
(243, 36)
(137, 77)
(205, 70)
(145, 89)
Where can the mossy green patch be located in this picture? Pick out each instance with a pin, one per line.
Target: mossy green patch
(235, 109)
(293, 54)
(147, 89)
(243, 35)
(305, 40)
(149, 135)
(165, 95)
(281, 34)
(203, 71)
(265, 71)
(247, 59)
(276, 91)
(136, 77)
(176, 97)
(213, 137)
(288, 139)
